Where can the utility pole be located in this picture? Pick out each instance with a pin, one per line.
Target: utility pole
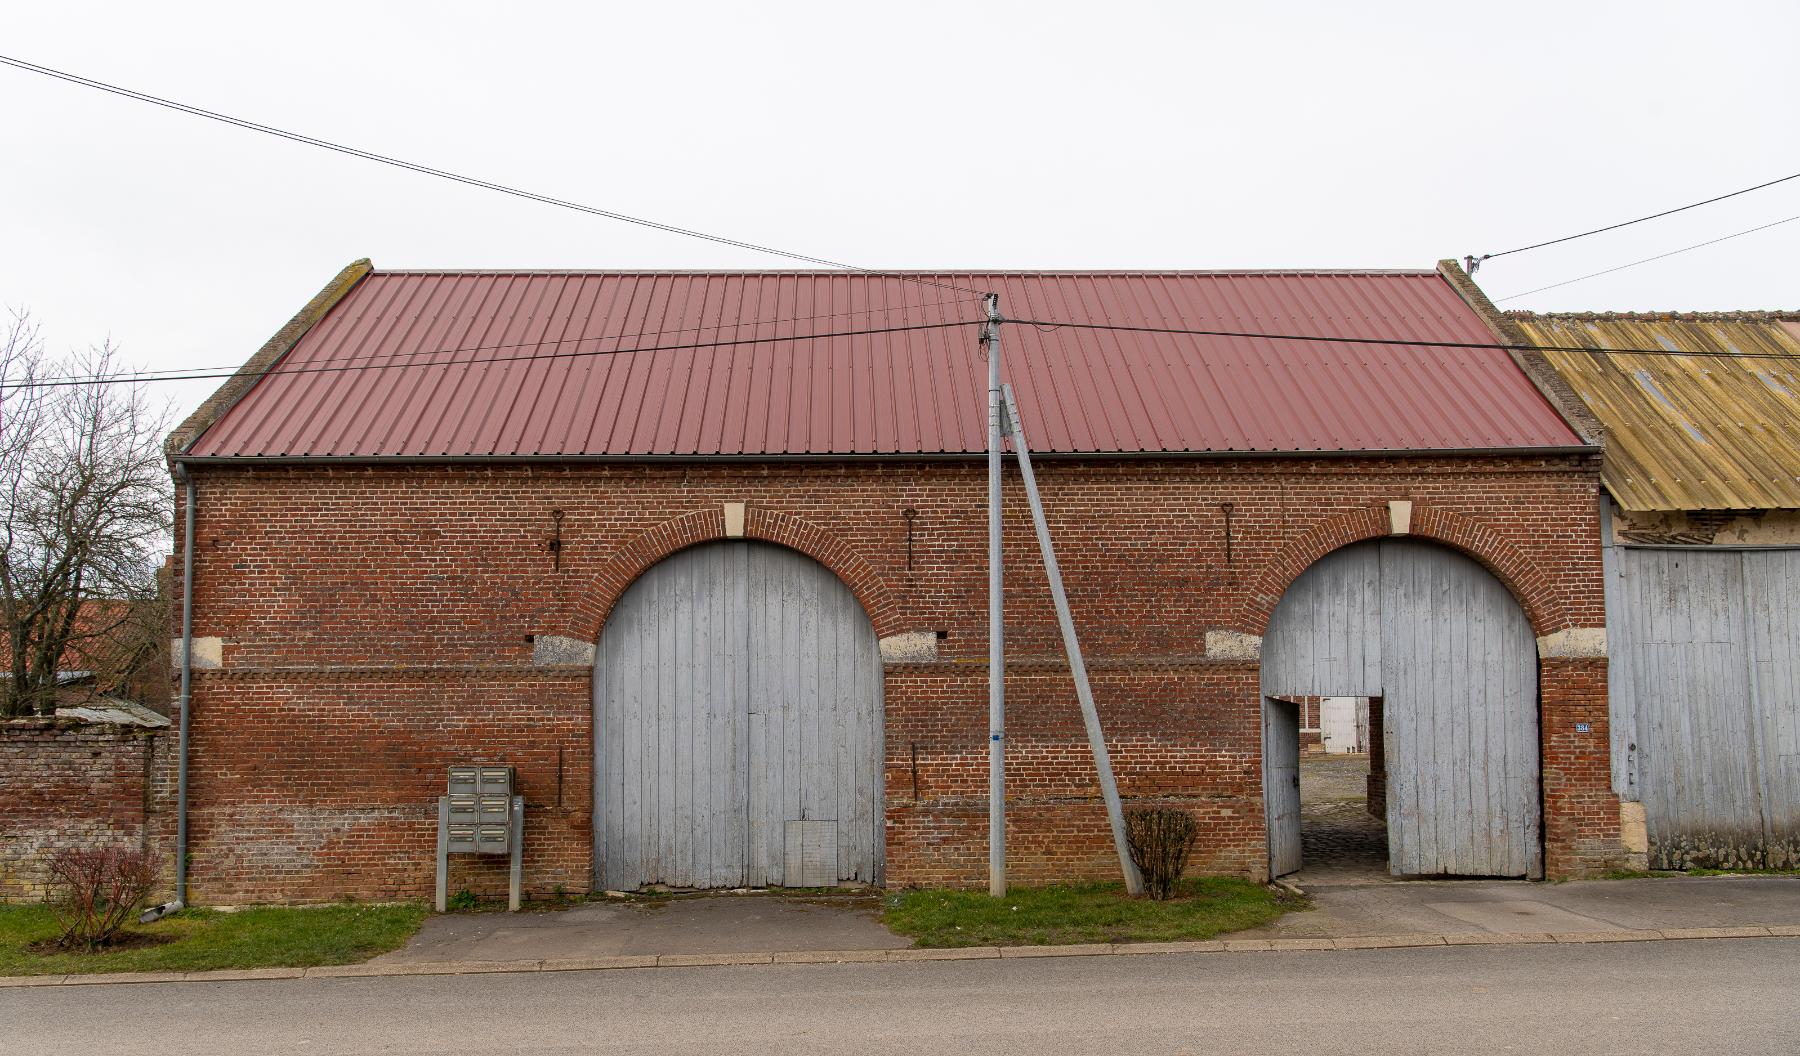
(1084, 693)
(990, 340)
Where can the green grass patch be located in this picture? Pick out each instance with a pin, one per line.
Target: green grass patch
(1058, 915)
(201, 939)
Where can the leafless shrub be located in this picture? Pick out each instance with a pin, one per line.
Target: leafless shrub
(1159, 838)
(95, 891)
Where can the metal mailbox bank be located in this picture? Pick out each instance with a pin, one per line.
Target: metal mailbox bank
(480, 815)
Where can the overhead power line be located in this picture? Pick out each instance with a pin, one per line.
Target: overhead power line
(489, 185)
(1043, 325)
(1646, 260)
(1476, 261)
(228, 370)
(1047, 325)
(338, 367)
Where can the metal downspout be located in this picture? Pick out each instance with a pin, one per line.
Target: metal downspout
(187, 679)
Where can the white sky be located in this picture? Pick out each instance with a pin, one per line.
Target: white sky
(1041, 134)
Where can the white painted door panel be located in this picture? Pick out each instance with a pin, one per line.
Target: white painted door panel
(737, 688)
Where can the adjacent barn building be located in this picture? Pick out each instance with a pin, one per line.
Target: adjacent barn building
(1702, 544)
(703, 575)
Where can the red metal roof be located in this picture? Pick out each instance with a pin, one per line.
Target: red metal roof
(515, 364)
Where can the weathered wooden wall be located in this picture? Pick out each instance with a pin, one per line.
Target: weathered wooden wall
(1705, 677)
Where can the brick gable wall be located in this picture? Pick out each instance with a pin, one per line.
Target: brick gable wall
(377, 624)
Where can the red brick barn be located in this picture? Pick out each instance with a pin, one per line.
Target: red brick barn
(703, 575)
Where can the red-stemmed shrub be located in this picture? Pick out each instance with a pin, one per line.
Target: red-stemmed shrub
(95, 891)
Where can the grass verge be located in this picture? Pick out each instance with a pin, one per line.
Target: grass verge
(1058, 915)
(201, 939)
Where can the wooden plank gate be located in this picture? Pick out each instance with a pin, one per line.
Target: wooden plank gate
(1449, 651)
(737, 726)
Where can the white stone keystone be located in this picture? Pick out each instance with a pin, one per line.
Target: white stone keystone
(1233, 645)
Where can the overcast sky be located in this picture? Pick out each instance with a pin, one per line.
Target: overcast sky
(1028, 135)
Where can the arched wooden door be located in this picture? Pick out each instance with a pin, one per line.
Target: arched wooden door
(1449, 651)
(737, 726)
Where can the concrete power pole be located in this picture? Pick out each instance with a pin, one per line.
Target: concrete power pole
(990, 340)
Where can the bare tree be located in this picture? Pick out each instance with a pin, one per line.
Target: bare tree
(85, 517)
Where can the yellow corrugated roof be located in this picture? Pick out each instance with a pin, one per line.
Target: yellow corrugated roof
(1687, 432)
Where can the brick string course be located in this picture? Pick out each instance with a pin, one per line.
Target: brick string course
(377, 625)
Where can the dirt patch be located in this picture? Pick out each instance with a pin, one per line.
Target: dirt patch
(130, 940)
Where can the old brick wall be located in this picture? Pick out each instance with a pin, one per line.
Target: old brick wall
(376, 624)
(68, 784)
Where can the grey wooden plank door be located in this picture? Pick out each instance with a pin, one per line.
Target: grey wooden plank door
(1449, 650)
(1459, 713)
(1705, 681)
(737, 688)
(1281, 783)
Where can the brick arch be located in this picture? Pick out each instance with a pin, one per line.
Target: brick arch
(704, 526)
(1529, 584)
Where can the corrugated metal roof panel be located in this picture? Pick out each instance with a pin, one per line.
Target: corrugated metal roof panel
(551, 364)
(1687, 432)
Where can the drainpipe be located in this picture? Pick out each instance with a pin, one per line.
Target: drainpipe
(186, 704)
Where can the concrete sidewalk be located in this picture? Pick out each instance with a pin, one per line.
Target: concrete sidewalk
(1510, 907)
(695, 924)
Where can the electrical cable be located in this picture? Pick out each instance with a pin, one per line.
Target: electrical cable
(1646, 260)
(333, 368)
(1042, 325)
(160, 375)
(325, 144)
(1475, 261)
(1394, 342)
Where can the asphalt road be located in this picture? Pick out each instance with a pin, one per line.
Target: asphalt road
(1735, 996)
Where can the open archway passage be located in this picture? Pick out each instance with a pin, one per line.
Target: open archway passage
(737, 726)
(1449, 651)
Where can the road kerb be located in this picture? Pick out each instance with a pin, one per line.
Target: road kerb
(966, 953)
(1620, 935)
(1714, 933)
(1089, 949)
(1489, 938)
(599, 964)
(1191, 946)
(103, 978)
(1386, 942)
(958, 953)
(711, 960)
(242, 975)
(830, 956)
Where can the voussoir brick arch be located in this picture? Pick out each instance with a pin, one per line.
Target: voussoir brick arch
(704, 526)
(1529, 583)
